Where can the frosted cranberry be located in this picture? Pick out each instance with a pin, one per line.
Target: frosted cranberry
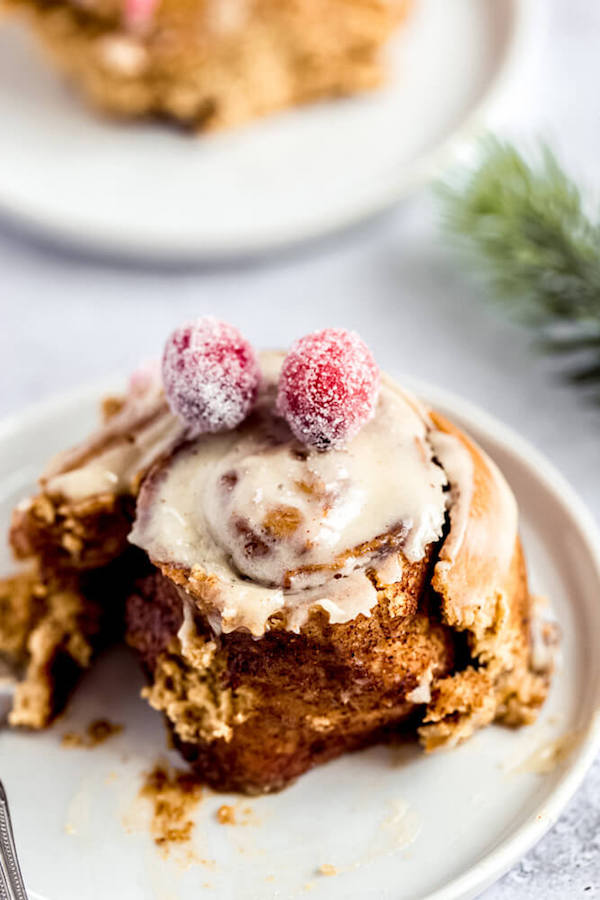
(328, 387)
(139, 14)
(210, 374)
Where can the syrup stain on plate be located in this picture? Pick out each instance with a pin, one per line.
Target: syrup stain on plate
(77, 820)
(551, 754)
(397, 831)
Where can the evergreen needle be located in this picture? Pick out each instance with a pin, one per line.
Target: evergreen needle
(523, 227)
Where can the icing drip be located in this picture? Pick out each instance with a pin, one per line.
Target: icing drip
(493, 544)
(119, 451)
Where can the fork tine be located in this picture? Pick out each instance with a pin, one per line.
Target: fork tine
(12, 879)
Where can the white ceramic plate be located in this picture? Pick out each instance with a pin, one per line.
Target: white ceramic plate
(397, 825)
(144, 189)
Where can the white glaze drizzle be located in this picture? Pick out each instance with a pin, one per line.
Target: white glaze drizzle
(118, 451)
(217, 506)
(192, 524)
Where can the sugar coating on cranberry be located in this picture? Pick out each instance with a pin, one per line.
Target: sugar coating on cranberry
(210, 374)
(139, 14)
(328, 387)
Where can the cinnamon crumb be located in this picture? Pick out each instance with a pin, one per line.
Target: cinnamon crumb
(226, 815)
(327, 869)
(97, 732)
(236, 815)
(174, 794)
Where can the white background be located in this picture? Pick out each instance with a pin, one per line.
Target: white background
(66, 320)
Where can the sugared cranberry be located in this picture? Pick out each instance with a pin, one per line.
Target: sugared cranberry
(328, 387)
(210, 374)
(139, 14)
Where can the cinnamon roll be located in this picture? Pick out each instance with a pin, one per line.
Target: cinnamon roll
(213, 64)
(287, 604)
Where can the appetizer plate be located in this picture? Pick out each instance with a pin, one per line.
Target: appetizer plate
(151, 191)
(388, 823)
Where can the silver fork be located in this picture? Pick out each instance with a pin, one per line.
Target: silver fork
(11, 880)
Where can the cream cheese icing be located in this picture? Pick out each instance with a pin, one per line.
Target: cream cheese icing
(265, 525)
(281, 527)
(127, 445)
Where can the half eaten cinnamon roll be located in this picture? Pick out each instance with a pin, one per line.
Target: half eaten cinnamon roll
(286, 604)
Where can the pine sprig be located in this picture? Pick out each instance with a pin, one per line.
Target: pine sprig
(523, 227)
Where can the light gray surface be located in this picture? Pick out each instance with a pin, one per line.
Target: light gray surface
(67, 320)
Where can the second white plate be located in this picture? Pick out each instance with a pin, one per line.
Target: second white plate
(394, 824)
(148, 190)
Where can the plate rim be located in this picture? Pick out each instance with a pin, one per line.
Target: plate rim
(498, 861)
(101, 242)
